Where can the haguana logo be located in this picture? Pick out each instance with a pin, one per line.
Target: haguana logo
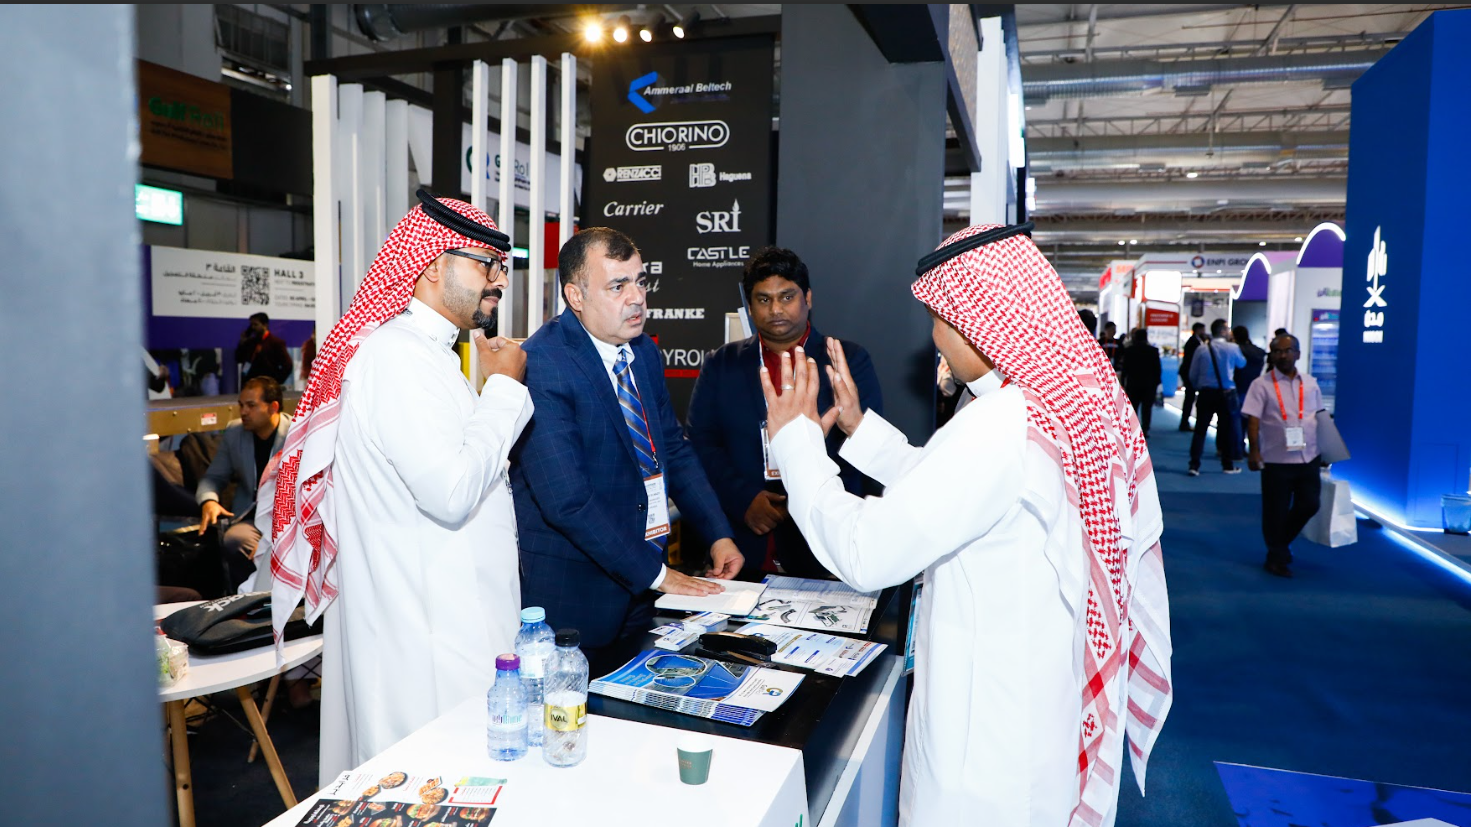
(638, 85)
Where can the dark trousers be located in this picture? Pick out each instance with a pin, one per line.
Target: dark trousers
(1290, 494)
(1186, 406)
(1143, 402)
(1214, 403)
(636, 625)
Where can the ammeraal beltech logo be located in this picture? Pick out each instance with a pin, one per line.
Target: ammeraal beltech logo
(647, 93)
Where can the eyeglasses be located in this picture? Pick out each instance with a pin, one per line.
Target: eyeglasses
(493, 266)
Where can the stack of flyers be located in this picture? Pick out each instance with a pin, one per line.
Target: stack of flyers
(401, 799)
(704, 687)
(824, 654)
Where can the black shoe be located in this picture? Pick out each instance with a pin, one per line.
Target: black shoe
(1279, 569)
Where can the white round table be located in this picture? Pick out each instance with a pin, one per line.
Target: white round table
(238, 671)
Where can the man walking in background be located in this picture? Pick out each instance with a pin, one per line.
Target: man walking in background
(1256, 359)
(1211, 372)
(1281, 423)
(266, 354)
(1141, 368)
(1197, 334)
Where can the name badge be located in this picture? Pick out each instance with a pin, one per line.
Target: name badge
(771, 470)
(1296, 441)
(657, 524)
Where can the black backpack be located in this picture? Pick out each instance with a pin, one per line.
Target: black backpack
(233, 624)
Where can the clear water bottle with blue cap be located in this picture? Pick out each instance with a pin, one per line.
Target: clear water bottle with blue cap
(534, 645)
(505, 705)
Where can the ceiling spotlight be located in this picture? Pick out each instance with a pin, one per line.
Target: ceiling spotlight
(593, 31)
(646, 35)
(1261, 244)
(1133, 241)
(1122, 243)
(1298, 239)
(620, 31)
(1192, 175)
(682, 26)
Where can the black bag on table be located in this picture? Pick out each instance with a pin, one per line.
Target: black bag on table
(233, 624)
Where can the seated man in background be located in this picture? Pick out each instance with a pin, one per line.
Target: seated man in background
(727, 415)
(246, 446)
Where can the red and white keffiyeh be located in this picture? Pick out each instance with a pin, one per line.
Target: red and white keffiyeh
(1009, 302)
(295, 498)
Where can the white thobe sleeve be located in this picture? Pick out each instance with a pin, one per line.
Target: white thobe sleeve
(448, 463)
(939, 502)
(879, 450)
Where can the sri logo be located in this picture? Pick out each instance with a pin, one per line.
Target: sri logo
(1378, 268)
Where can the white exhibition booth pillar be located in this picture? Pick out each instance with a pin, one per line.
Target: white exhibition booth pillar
(362, 146)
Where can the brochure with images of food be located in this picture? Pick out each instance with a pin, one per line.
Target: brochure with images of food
(822, 653)
(400, 799)
(707, 688)
(826, 605)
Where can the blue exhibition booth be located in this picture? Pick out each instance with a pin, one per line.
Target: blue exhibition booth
(1404, 402)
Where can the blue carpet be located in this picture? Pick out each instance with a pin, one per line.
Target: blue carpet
(1276, 798)
(1356, 668)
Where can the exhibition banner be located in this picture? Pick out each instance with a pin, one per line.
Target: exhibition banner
(681, 162)
(207, 284)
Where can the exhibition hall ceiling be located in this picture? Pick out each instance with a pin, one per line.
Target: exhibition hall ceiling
(1217, 127)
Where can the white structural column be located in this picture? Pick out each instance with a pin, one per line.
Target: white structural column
(506, 200)
(479, 151)
(324, 196)
(373, 174)
(395, 163)
(536, 210)
(350, 190)
(988, 187)
(567, 208)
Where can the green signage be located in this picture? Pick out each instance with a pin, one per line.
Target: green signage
(159, 205)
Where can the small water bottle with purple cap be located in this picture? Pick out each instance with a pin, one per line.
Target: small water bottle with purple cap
(505, 704)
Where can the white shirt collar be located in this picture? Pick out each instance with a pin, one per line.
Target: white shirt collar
(986, 384)
(609, 352)
(428, 321)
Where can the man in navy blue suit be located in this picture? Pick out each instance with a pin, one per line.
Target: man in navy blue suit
(593, 471)
(727, 413)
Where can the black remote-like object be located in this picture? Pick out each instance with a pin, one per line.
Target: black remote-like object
(735, 642)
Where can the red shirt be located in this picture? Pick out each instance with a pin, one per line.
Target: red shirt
(772, 358)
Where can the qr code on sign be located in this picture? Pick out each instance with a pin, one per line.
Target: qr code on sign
(255, 285)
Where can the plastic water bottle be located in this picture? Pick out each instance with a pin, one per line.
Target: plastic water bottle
(505, 703)
(534, 646)
(564, 738)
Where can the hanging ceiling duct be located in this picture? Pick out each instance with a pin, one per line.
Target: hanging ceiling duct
(386, 21)
(1189, 149)
(1336, 70)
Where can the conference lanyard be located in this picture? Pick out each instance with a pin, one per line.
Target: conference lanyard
(1282, 405)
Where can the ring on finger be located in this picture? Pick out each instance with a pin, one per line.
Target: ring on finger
(787, 386)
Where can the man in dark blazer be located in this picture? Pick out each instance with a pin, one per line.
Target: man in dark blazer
(727, 412)
(590, 473)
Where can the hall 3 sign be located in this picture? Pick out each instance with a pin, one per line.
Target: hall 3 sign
(1378, 267)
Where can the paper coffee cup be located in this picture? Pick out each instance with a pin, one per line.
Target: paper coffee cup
(695, 752)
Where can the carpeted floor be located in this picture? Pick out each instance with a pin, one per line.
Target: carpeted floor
(1358, 668)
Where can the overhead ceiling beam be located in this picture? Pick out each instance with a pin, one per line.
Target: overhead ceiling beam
(1188, 77)
(1055, 195)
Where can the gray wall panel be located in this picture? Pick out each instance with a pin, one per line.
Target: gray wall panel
(861, 170)
(78, 696)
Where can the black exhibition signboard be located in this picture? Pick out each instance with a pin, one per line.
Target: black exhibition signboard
(680, 160)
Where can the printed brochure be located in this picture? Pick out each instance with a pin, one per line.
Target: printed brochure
(403, 799)
(824, 654)
(729, 692)
(825, 605)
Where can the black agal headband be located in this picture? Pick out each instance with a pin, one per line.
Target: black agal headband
(441, 214)
(969, 243)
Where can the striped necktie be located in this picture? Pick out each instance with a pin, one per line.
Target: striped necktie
(638, 428)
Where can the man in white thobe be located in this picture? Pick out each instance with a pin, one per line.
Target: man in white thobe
(1021, 612)
(414, 522)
